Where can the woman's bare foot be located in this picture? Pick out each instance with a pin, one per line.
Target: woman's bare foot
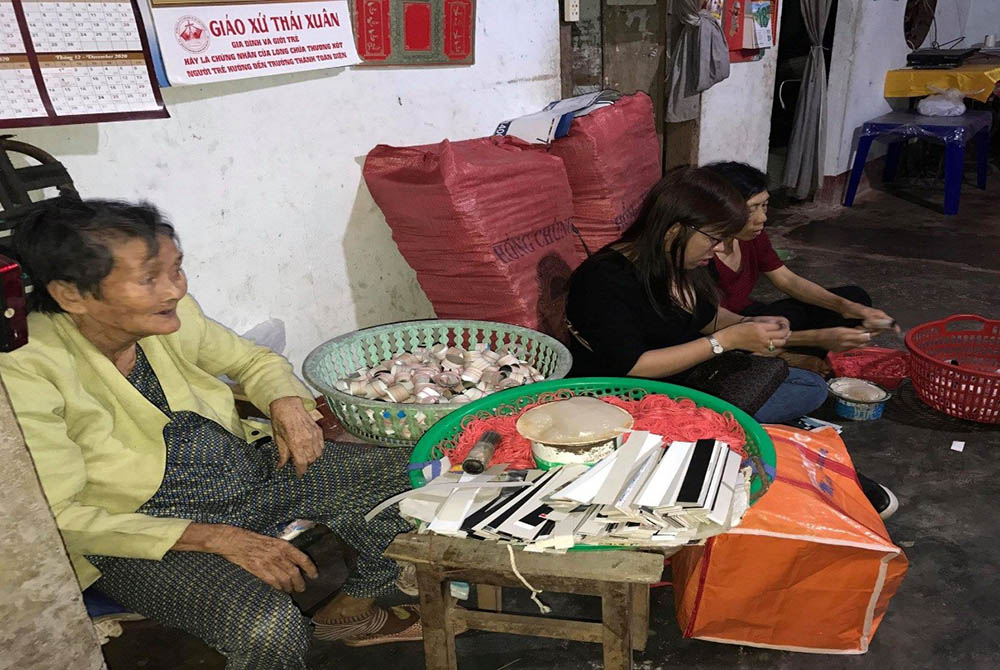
(343, 606)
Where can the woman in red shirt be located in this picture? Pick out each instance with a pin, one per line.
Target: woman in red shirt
(822, 320)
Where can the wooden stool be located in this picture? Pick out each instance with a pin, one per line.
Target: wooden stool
(620, 578)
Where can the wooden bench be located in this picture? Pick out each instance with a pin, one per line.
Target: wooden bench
(620, 578)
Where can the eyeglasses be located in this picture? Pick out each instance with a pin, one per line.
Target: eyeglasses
(716, 241)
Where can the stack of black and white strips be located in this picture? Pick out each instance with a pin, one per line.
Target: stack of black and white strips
(640, 495)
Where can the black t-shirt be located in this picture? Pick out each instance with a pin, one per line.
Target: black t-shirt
(609, 308)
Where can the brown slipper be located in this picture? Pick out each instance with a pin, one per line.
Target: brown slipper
(362, 624)
(407, 616)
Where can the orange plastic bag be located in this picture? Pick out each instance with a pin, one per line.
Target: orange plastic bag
(811, 568)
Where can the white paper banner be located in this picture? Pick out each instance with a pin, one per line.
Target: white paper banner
(206, 43)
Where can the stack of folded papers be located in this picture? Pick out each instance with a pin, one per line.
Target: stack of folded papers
(639, 495)
(554, 121)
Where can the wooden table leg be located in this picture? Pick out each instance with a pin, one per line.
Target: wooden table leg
(489, 597)
(616, 617)
(640, 616)
(439, 627)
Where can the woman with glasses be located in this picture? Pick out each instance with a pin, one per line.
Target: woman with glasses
(647, 306)
(821, 320)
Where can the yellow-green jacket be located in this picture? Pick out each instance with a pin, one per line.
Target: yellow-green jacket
(98, 443)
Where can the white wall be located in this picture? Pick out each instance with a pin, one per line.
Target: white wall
(736, 113)
(262, 177)
(984, 18)
(868, 42)
(952, 17)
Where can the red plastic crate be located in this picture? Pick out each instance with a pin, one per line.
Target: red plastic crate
(955, 366)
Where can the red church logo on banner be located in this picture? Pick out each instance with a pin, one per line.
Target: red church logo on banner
(192, 34)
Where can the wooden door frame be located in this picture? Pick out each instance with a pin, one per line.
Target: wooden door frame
(625, 46)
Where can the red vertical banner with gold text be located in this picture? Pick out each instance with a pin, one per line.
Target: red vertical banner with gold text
(458, 16)
(415, 32)
(371, 19)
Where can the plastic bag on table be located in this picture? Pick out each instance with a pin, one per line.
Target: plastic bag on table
(948, 102)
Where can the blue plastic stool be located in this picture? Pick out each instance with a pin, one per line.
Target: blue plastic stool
(955, 131)
(100, 606)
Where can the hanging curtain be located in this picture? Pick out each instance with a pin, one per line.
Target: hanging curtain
(700, 60)
(806, 149)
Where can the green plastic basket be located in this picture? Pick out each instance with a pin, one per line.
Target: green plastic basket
(444, 433)
(401, 424)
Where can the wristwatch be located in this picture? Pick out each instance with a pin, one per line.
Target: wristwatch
(716, 347)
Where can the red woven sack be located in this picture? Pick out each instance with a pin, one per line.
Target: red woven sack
(485, 224)
(612, 157)
(886, 367)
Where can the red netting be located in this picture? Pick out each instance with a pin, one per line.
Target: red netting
(886, 367)
(677, 420)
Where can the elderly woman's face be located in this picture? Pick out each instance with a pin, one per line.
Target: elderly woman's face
(757, 207)
(140, 295)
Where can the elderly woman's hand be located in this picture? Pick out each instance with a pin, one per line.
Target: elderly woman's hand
(272, 560)
(296, 434)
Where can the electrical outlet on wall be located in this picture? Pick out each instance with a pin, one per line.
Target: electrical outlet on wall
(571, 10)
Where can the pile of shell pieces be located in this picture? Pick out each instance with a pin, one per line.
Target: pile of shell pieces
(442, 374)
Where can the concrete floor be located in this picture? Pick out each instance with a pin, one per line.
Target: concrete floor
(919, 266)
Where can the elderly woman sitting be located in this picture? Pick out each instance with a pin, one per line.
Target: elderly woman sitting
(167, 501)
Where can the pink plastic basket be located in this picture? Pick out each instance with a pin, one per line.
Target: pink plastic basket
(955, 366)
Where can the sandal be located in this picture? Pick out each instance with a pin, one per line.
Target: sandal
(366, 629)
